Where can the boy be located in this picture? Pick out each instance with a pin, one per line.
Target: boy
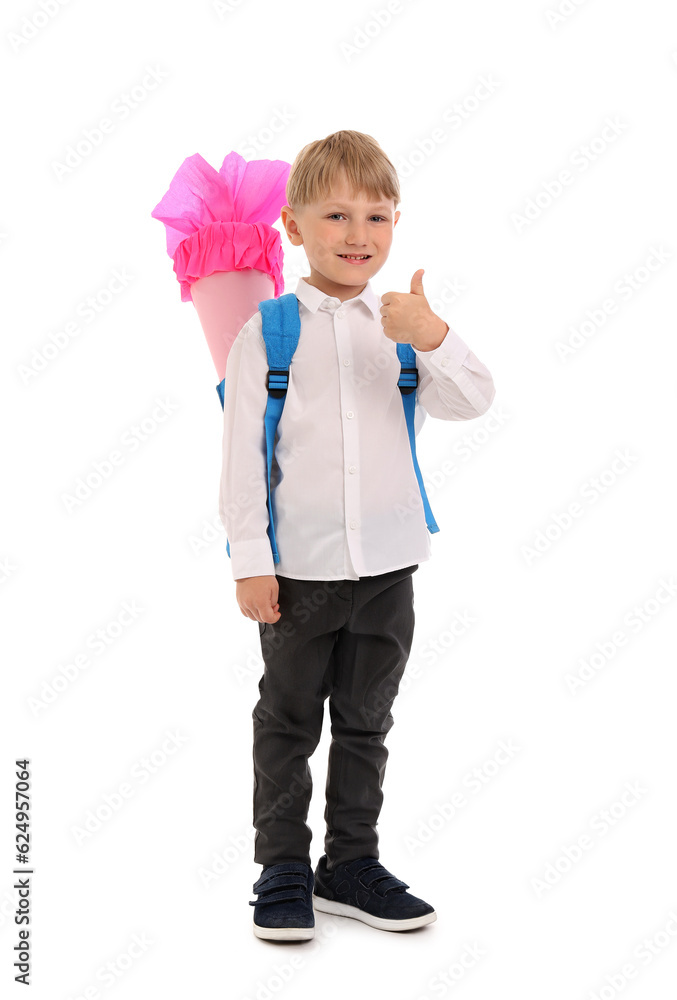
(336, 615)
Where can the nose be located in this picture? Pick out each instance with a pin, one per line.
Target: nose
(357, 234)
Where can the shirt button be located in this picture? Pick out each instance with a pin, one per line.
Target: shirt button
(444, 361)
(353, 524)
(353, 468)
(350, 414)
(340, 313)
(346, 362)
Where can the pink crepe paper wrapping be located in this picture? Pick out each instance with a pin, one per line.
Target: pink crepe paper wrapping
(221, 221)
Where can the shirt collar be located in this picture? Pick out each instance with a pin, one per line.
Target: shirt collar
(312, 297)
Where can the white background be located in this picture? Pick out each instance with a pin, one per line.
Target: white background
(189, 663)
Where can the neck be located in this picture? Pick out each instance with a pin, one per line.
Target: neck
(334, 290)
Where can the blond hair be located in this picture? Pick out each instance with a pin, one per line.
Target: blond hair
(316, 167)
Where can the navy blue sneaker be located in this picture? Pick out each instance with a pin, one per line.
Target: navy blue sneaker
(364, 889)
(284, 909)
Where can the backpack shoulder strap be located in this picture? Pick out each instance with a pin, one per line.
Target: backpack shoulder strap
(281, 330)
(281, 326)
(408, 384)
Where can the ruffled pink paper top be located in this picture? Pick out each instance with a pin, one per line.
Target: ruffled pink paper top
(222, 220)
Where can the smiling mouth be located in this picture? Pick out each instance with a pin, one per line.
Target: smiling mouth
(353, 256)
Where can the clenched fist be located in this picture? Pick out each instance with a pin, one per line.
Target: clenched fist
(257, 597)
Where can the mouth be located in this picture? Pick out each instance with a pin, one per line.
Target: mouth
(355, 258)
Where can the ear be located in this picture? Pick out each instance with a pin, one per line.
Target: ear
(397, 215)
(289, 222)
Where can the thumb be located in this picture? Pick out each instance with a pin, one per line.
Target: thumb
(417, 282)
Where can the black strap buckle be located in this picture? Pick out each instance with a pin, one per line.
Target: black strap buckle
(408, 380)
(277, 381)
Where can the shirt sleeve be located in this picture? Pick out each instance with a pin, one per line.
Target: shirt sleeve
(244, 476)
(453, 384)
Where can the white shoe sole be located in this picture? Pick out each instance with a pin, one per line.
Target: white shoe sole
(284, 933)
(343, 910)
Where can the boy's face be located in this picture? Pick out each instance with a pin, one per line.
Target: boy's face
(342, 224)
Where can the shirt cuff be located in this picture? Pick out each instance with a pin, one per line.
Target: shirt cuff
(448, 358)
(251, 558)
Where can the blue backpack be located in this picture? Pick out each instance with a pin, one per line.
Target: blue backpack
(281, 330)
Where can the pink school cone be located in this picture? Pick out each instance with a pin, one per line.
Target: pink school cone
(227, 256)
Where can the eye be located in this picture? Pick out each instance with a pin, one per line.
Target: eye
(335, 214)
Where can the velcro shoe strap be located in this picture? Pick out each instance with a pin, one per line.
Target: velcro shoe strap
(374, 876)
(278, 880)
(283, 896)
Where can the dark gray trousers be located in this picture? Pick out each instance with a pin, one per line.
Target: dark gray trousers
(348, 640)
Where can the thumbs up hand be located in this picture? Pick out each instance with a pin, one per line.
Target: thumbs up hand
(407, 318)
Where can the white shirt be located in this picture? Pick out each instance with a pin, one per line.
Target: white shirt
(346, 499)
